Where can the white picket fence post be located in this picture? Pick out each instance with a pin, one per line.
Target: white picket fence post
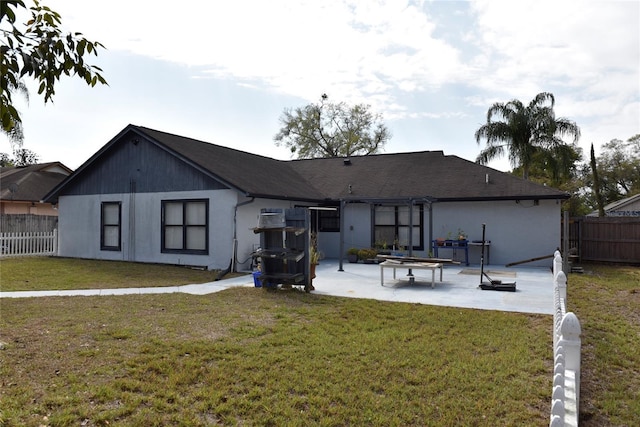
(565, 397)
(29, 243)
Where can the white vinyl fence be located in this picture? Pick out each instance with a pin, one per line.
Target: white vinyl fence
(565, 398)
(29, 243)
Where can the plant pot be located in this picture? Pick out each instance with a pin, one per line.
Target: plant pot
(352, 258)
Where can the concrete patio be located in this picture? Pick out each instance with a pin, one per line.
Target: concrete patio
(459, 287)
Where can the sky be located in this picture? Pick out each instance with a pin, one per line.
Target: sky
(223, 71)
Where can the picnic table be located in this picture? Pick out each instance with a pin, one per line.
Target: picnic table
(411, 265)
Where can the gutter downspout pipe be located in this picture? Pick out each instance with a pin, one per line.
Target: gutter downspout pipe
(234, 259)
(342, 206)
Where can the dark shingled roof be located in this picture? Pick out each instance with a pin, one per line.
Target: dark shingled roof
(249, 173)
(424, 174)
(382, 176)
(417, 174)
(31, 183)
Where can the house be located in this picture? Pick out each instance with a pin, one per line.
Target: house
(151, 196)
(22, 188)
(627, 207)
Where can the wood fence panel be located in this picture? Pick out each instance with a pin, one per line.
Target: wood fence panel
(607, 239)
(27, 223)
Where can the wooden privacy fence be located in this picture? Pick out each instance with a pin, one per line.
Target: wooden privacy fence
(21, 223)
(606, 239)
(29, 243)
(565, 396)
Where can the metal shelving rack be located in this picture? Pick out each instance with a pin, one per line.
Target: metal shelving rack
(284, 247)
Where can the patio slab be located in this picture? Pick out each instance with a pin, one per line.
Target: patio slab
(459, 287)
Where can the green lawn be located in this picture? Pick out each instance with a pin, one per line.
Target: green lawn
(48, 273)
(607, 303)
(245, 356)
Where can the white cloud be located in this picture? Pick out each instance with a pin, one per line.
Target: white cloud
(420, 63)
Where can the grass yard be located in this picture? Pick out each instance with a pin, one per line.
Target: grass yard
(250, 357)
(607, 303)
(52, 273)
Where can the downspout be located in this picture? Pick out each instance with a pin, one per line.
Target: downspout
(430, 225)
(411, 203)
(342, 205)
(234, 248)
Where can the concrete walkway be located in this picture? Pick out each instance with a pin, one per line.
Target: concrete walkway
(459, 287)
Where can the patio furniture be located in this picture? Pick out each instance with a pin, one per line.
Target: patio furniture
(394, 264)
(454, 245)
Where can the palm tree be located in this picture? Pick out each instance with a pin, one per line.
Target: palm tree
(527, 133)
(13, 130)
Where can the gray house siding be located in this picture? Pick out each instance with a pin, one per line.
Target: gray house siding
(79, 224)
(136, 165)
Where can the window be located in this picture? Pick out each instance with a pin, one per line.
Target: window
(391, 226)
(185, 228)
(325, 218)
(110, 220)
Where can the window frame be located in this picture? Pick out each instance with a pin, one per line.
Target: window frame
(185, 227)
(103, 226)
(325, 220)
(396, 224)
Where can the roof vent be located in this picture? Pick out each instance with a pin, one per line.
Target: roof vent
(346, 161)
(486, 178)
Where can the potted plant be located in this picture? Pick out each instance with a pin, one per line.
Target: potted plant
(352, 255)
(314, 258)
(449, 239)
(368, 256)
(382, 248)
(462, 237)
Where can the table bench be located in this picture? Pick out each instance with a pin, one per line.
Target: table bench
(433, 266)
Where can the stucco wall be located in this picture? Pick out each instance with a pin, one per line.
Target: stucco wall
(518, 231)
(32, 208)
(247, 219)
(79, 227)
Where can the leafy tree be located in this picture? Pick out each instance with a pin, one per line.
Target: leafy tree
(42, 51)
(21, 157)
(24, 157)
(327, 129)
(618, 174)
(5, 160)
(528, 134)
(619, 167)
(547, 169)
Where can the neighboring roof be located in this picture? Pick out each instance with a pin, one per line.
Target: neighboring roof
(31, 183)
(626, 204)
(618, 205)
(424, 174)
